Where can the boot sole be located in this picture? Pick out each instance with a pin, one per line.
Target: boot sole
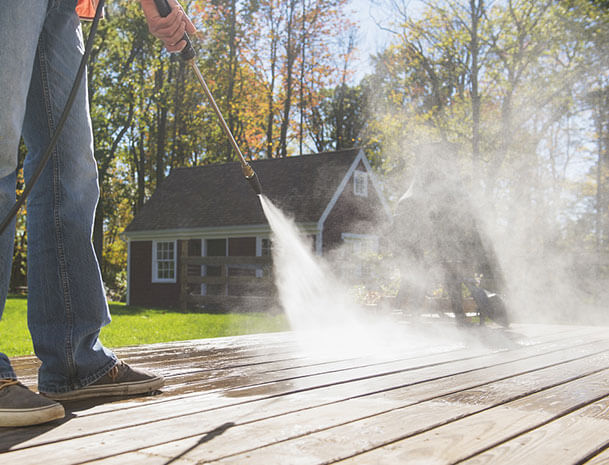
(31, 416)
(109, 390)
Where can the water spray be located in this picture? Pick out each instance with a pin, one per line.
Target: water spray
(188, 55)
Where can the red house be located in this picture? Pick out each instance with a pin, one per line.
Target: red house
(211, 211)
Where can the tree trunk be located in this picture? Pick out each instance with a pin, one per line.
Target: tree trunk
(291, 51)
(476, 12)
(232, 73)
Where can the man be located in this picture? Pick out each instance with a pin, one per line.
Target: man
(39, 57)
(437, 236)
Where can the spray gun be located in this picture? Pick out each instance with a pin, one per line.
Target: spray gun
(188, 55)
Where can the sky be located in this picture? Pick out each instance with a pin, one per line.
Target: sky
(372, 39)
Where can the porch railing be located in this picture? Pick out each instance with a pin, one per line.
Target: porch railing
(244, 283)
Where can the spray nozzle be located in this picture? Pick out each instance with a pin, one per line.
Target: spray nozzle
(252, 178)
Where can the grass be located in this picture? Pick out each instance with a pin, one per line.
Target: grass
(137, 325)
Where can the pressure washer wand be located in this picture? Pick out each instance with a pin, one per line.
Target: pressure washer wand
(188, 55)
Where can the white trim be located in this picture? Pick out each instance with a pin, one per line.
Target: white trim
(318, 242)
(209, 233)
(128, 296)
(259, 254)
(155, 278)
(377, 186)
(259, 245)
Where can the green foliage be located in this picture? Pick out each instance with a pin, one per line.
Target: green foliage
(14, 335)
(340, 120)
(19, 265)
(136, 325)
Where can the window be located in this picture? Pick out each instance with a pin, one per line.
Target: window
(266, 247)
(360, 251)
(360, 183)
(361, 245)
(164, 262)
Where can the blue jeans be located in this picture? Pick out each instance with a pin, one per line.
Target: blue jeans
(39, 56)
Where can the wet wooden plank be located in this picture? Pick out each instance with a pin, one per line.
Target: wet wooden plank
(211, 412)
(333, 385)
(487, 429)
(567, 439)
(334, 431)
(239, 398)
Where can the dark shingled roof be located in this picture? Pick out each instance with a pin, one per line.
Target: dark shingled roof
(219, 195)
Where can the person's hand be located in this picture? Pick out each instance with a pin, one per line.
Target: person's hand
(171, 28)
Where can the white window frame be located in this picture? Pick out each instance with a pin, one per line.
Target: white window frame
(360, 183)
(155, 262)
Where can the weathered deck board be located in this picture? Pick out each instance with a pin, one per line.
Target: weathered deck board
(366, 423)
(261, 400)
(497, 423)
(567, 439)
(600, 458)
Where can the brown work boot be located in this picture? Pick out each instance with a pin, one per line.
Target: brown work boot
(121, 380)
(21, 407)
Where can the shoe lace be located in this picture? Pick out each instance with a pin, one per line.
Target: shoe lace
(8, 382)
(115, 371)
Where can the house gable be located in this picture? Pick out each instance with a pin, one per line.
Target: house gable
(347, 210)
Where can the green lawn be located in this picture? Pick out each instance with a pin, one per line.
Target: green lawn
(136, 325)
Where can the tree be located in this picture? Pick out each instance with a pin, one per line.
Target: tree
(340, 120)
(515, 86)
(291, 57)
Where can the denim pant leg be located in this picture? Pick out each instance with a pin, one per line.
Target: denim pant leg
(66, 302)
(20, 25)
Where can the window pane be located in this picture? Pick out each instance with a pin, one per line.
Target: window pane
(216, 247)
(266, 247)
(165, 260)
(360, 183)
(165, 270)
(164, 251)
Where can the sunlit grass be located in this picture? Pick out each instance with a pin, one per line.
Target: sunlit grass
(137, 325)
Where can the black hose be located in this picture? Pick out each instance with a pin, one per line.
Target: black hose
(64, 116)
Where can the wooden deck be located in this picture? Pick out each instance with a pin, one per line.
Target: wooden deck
(531, 395)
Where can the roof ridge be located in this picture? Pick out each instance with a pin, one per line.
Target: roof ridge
(292, 157)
